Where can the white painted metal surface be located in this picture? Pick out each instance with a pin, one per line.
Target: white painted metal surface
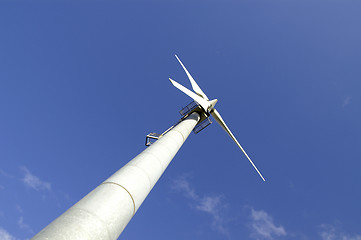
(204, 103)
(104, 212)
(195, 86)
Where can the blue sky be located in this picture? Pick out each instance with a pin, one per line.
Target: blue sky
(83, 82)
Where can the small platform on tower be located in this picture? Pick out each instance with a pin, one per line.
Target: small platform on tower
(204, 120)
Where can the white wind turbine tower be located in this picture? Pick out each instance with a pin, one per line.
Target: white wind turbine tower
(104, 212)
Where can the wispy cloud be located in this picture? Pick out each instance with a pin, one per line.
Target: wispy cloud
(329, 232)
(24, 226)
(263, 226)
(346, 101)
(5, 174)
(212, 205)
(5, 235)
(33, 181)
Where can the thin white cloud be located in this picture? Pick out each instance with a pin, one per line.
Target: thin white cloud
(5, 235)
(329, 232)
(33, 181)
(346, 101)
(24, 226)
(211, 205)
(263, 226)
(5, 174)
(182, 184)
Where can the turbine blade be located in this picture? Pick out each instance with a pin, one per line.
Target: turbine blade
(220, 121)
(195, 86)
(204, 103)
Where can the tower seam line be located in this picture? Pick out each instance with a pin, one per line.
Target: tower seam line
(125, 190)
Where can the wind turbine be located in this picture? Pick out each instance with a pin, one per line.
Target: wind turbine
(208, 106)
(105, 211)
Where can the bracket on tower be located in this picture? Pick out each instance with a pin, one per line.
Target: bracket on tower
(151, 138)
